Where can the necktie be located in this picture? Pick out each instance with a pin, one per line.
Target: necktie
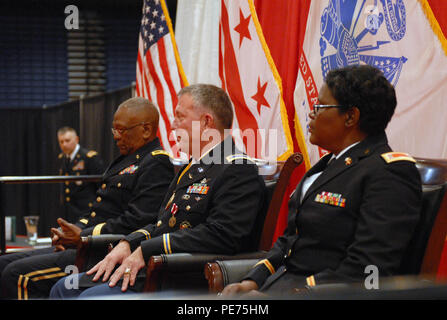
(67, 162)
(330, 162)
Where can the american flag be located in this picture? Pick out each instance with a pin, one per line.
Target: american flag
(159, 71)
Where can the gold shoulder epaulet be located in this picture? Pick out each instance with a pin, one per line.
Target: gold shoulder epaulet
(234, 157)
(158, 152)
(397, 156)
(91, 153)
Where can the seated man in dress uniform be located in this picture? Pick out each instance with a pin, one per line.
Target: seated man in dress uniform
(211, 205)
(76, 160)
(131, 192)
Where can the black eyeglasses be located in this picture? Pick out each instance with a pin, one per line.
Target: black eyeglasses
(317, 107)
(121, 131)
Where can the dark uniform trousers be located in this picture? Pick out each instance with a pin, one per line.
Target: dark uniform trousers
(78, 196)
(212, 206)
(362, 210)
(129, 197)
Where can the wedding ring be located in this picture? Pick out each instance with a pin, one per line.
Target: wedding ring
(127, 271)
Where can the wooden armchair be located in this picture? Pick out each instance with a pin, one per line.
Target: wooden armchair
(93, 249)
(423, 255)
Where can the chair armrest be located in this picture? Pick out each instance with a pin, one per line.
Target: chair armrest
(222, 273)
(93, 249)
(161, 266)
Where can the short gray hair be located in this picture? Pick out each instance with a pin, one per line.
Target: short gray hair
(213, 99)
(65, 129)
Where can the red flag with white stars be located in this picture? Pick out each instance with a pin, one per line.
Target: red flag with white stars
(249, 76)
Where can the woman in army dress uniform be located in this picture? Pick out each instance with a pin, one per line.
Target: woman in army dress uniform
(361, 210)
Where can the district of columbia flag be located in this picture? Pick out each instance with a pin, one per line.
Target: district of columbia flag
(250, 78)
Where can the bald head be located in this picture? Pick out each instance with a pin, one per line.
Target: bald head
(142, 110)
(135, 123)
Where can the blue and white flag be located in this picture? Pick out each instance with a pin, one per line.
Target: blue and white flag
(395, 36)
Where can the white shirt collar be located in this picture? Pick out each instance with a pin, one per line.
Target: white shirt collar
(309, 180)
(75, 151)
(345, 149)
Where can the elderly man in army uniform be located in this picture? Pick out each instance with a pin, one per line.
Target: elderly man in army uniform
(211, 206)
(130, 194)
(76, 160)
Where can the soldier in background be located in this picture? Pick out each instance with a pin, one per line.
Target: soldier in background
(75, 160)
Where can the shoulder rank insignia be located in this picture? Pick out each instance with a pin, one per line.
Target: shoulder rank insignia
(397, 156)
(158, 152)
(235, 157)
(91, 153)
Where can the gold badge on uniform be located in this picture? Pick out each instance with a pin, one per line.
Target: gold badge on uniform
(348, 161)
(170, 200)
(184, 225)
(173, 220)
